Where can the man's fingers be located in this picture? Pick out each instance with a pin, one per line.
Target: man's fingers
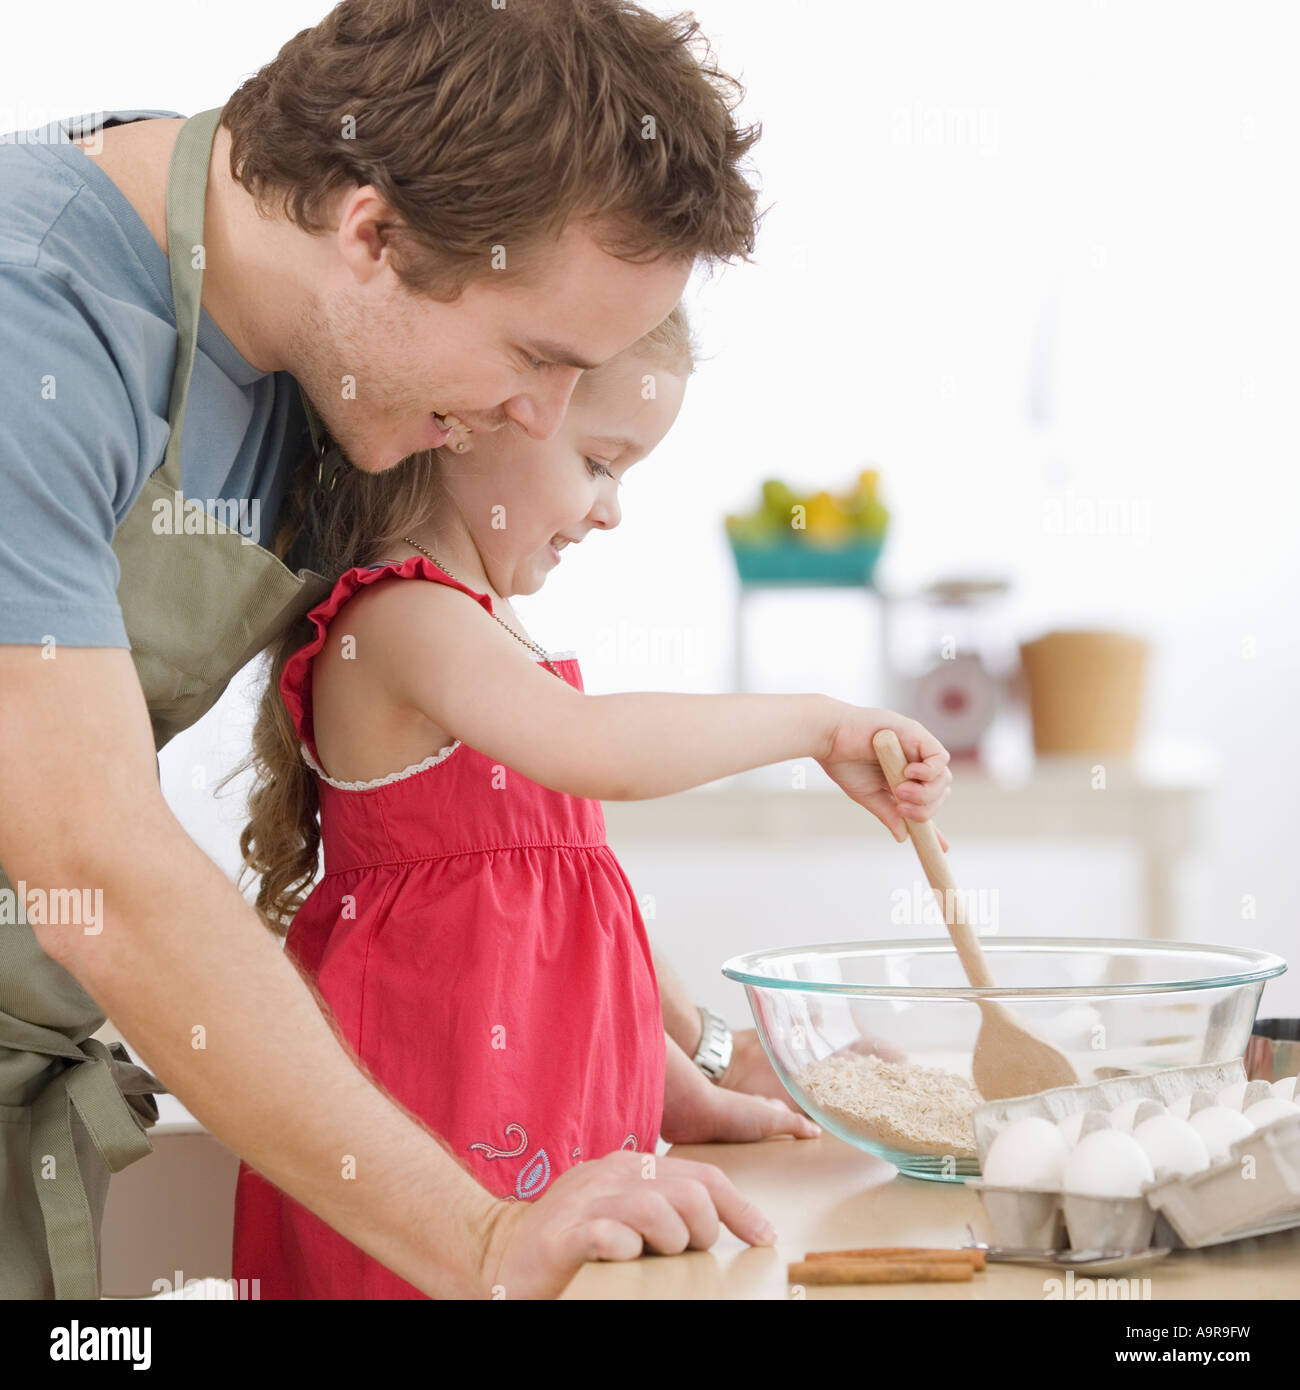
(678, 1215)
(741, 1217)
(762, 1117)
(794, 1123)
(604, 1238)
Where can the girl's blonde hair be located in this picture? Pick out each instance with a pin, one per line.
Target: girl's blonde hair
(353, 524)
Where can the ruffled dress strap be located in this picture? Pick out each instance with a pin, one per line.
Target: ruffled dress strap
(295, 678)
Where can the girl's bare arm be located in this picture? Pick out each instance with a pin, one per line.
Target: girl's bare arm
(432, 648)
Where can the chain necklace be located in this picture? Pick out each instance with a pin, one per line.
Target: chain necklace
(526, 641)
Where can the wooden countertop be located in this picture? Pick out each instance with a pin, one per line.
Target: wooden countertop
(822, 1194)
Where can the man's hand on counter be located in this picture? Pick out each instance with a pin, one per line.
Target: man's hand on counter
(752, 1073)
(698, 1112)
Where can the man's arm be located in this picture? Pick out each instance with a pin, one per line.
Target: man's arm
(681, 1017)
(180, 951)
(749, 1070)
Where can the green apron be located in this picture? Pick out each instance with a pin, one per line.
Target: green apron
(197, 608)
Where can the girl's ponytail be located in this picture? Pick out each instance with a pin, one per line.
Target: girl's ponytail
(281, 840)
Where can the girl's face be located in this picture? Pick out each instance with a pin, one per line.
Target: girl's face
(523, 500)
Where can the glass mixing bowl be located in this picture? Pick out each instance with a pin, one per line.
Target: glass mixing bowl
(874, 1039)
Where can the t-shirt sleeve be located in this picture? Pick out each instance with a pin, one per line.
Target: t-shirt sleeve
(69, 465)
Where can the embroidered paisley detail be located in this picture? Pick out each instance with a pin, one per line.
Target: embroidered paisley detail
(490, 1151)
(629, 1142)
(534, 1175)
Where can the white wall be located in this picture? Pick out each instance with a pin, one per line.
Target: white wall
(1013, 250)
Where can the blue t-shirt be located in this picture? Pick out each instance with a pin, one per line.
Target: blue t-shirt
(87, 349)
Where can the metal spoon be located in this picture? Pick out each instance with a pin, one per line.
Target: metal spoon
(1098, 1261)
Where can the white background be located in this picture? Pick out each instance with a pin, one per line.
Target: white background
(1015, 253)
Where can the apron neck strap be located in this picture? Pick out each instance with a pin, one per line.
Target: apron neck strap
(187, 188)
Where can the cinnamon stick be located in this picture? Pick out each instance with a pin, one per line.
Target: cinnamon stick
(879, 1271)
(894, 1252)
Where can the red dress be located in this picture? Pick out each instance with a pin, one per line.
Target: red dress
(483, 953)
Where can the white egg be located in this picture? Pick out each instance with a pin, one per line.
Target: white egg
(1108, 1163)
(1026, 1153)
(1181, 1109)
(1264, 1112)
(1220, 1128)
(1285, 1089)
(1172, 1145)
(1230, 1097)
(1124, 1115)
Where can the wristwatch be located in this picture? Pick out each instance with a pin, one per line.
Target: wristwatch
(713, 1056)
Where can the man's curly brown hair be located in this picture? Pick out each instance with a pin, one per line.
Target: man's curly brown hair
(493, 123)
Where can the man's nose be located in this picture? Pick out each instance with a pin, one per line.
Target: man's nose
(539, 412)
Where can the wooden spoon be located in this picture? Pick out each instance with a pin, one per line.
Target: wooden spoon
(1009, 1059)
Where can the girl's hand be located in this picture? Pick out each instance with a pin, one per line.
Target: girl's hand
(851, 762)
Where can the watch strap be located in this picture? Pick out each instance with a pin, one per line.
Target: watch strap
(713, 1056)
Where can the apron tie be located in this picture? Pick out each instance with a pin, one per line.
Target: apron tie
(113, 1099)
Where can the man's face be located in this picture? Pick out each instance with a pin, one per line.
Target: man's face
(377, 361)
(520, 502)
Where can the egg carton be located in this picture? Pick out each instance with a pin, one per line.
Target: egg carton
(1252, 1192)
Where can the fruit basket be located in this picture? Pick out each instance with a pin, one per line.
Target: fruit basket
(810, 539)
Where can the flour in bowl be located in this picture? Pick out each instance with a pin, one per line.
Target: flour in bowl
(904, 1106)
